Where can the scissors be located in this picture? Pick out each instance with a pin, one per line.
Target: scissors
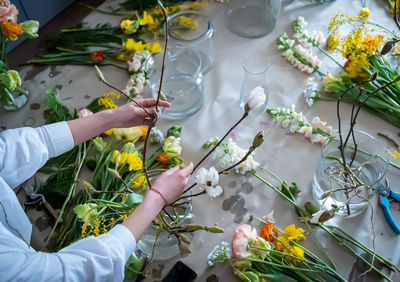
(384, 194)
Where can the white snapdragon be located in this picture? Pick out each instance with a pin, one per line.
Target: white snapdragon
(219, 254)
(311, 92)
(135, 63)
(208, 179)
(317, 131)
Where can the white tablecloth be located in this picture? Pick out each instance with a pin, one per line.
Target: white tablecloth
(291, 157)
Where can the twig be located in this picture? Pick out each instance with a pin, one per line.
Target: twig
(386, 136)
(220, 141)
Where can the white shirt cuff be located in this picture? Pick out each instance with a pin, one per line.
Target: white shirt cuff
(58, 138)
(125, 237)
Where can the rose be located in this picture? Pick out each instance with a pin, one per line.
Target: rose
(8, 12)
(240, 239)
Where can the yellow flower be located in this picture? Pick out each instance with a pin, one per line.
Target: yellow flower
(84, 226)
(139, 181)
(294, 234)
(109, 132)
(129, 27)
(131, 45)
(146, 19)
(154, 48)
(131, 134)
(395, 155)
(123, 158)
(108, 100)
(135, 163)
(121, 57)
(115, 156)
(11, 30)
(364, 13)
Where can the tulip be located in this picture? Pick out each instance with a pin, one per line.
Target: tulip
(30, 28)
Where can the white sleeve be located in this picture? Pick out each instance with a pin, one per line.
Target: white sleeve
(24, 150)
(92, 259)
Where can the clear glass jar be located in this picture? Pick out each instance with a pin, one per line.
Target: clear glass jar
(255, 74)
(369, 166)
(252, 18)
(194, 30)
(182, 83)
(167, 245)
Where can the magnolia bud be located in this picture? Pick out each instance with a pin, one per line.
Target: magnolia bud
(215, 229)
(99, 74)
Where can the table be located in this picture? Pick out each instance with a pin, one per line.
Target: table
(291, 157)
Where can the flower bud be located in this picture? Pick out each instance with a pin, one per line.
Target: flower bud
(99, 74)
(256, 98)
(30, 28)
(215, 229)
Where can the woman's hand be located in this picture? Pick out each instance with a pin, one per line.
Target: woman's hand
(131, 114)
(171, 183)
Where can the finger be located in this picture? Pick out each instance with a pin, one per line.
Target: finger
(187, 170)
(147, 103)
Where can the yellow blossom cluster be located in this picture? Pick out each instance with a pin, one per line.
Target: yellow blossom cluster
(395, 155)
(187, 22)
(108, 100)
(287, 243)
(134, 162)
(97, 228)
(131, 45)
(357, 45)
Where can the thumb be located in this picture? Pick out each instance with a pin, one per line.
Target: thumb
(188, 170)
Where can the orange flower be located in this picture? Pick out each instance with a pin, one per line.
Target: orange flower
(268, 232)
(162, 158)
(144, 131)
(10, 30)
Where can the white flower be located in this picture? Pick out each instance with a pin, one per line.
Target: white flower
(208, 179)
(269, 217)
(135, 63)
(256, 98)
(306, 130)
(219, 254)
(311, 91)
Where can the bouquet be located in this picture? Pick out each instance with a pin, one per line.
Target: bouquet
(12, 95)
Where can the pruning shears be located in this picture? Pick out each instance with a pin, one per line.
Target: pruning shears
(385, 193)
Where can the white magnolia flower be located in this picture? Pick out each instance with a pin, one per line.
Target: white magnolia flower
(208, 179)
(229, 153)
(256, 98)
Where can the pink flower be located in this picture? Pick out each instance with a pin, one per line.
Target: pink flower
(8, 12)
(84, 113)
(240, 239)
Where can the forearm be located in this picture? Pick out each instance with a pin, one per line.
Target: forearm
(143, 215)
(85, 128)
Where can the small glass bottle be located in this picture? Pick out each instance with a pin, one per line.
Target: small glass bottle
(194, 30)
(255, 74)
(252, 18)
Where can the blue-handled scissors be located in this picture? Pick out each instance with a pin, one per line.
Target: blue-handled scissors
(384, 194)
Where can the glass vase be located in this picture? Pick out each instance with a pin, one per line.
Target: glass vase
(255, 74)
(349, 189)
(13, 101)
(252, 18)
(166, 244)
(195, 30)
(182, 83)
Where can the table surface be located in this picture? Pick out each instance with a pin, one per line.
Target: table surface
(293, 158)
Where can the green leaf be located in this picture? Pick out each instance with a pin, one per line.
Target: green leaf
(175, 130)
(133, 267)
(134, 199)
(56, 111)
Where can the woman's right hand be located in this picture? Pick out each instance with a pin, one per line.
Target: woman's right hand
(171, 183)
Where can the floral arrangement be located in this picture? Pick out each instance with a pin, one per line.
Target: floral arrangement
(317, 131)
(12, 95)
(266, 256)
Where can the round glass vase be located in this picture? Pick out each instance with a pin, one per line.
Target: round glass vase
(349, 189)
(182, 82)
(195, 30)
(252, 18)
(255, 74)
(166, 244)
